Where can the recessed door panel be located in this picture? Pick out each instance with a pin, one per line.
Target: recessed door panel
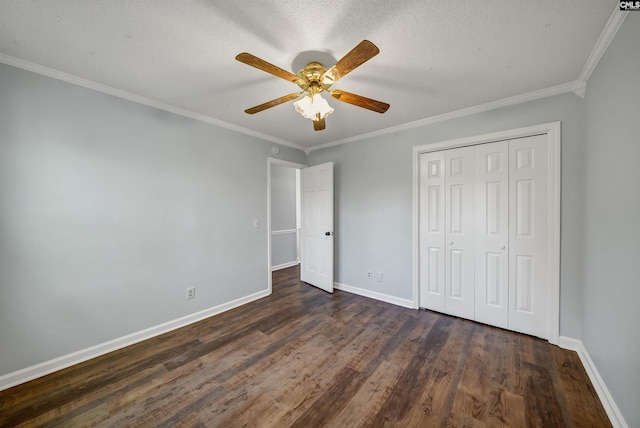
(435, 262)
(524, 208)
(495, 196)
(494, 160)
(524, 158)
(456, 207)
(436, 210)
(434, 169)
(456, 273)
(493, 282)
(524, 284)
(456, 164)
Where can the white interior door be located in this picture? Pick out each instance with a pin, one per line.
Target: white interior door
(432, 232)
(459, 231)
(527, 235)
(316, 243)
(492, 234)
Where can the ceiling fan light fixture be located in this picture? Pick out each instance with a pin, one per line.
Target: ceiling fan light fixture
(315, 79)
(313, 107)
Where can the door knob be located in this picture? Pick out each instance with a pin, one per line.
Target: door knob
(327, 233)
(451, 243)
(502, 247)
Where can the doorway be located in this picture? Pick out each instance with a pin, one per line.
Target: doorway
(283, 215)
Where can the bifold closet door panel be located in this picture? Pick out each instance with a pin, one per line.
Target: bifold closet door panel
(432, 231)
(492, 234)
(459, 231)
(527, 235)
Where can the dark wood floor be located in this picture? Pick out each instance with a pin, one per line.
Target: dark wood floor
(305, 358)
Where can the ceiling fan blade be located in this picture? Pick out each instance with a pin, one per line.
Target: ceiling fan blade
(360, 101)
(357, 56)
(263, 65)
(273, 103)
(319, 124)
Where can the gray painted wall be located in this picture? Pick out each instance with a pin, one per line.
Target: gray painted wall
(283, 214)
(612, 212)
(374, 182)
(110, 209)
(284, 249)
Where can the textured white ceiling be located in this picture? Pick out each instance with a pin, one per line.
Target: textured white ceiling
(436, 56)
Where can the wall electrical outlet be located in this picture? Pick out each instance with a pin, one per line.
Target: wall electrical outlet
(369, 275)
(191, 293)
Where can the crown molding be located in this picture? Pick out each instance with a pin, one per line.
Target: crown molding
(578, 87)
(575, 87)
(129, 96)
(608, 33)
(581, 91)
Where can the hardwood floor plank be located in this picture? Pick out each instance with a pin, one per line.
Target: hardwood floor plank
(337, 394)
(259, 410)
(581, 398)
(438, 385)
(94, 405)
(369, 399)
(484, 394)
(331, 367)
(303, 357)
(415, 376)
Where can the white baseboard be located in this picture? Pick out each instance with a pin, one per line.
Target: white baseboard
(284, 265)
(616, 418)
(374, 295)
(47, 367)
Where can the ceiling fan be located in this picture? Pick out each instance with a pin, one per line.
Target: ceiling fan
(315, 79)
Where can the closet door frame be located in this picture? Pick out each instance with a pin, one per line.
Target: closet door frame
(553, 132)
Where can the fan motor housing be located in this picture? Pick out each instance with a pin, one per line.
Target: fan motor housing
(310, 78)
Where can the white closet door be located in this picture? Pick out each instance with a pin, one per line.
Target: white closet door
(492, 234)
(432, 232)
(459, 227)
(527, 235)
